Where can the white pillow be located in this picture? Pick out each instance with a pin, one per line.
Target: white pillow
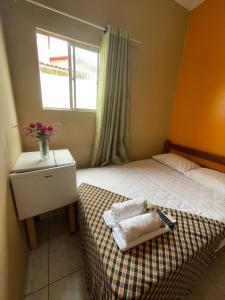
(176, 162)
(210, 178)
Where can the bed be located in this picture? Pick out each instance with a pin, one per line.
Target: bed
(163, 268)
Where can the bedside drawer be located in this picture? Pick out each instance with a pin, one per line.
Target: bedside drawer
(40, 191)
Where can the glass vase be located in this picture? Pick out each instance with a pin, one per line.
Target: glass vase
(44, 149)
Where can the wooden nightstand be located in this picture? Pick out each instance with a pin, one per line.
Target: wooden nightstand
(40, 186)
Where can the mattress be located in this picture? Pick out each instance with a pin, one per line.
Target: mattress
(166, 267)
(160, 184)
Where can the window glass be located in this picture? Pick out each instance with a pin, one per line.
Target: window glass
(54, 71)
(86, 78)
(68, 74)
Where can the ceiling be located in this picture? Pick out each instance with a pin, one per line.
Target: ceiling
(189, 4)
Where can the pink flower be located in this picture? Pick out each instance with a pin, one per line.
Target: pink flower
(44, 128)
(40, 131)
(39, 124)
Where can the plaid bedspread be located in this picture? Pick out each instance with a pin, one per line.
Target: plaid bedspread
(166, 267)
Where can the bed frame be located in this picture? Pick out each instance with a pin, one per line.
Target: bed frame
(205, 159)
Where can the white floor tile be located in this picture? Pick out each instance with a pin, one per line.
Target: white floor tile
(42, 229)
(38, 268)
(39, 295)
(58, 225)
(205, 290)
(216, 272)
(69, 288)
(65, 256)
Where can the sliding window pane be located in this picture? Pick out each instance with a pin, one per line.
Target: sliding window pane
(86, 78)
(54, 71)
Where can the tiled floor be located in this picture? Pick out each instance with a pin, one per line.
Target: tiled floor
(56, 270)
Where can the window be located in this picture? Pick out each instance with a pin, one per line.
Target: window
(68, 73)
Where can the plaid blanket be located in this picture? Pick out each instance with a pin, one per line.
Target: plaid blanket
(166, 267)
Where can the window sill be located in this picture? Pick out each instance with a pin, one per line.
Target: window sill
(70, 109)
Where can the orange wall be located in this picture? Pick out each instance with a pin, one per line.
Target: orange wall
(198, 117)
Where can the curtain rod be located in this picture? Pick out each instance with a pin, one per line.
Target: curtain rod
(71, 16)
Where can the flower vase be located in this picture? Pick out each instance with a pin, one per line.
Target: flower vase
(44, 149)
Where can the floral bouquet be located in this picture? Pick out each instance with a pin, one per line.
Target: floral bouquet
(43, 133)
(40, 131)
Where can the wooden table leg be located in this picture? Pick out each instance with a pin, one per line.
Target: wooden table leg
(72, 218)
(31, 231)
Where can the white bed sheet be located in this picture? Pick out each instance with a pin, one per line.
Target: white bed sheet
(159, 184)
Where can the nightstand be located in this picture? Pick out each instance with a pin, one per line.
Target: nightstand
(40, 186)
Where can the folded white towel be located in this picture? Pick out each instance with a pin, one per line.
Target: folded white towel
(107, 216)
(134, 227)
(123, 245)
(127, 209)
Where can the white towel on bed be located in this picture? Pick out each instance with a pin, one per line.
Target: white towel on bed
(134, 227)
(107, 216)
(123, 245)
(127, 209)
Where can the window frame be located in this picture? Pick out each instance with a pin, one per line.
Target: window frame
(71, 43)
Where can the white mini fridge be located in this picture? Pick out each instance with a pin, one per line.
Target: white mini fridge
(40, 186)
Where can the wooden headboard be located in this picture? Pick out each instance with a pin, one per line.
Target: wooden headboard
(204, 159)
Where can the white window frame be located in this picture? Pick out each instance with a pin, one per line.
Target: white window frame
(72, 44)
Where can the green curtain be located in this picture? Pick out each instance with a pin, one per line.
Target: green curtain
(112, 116)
